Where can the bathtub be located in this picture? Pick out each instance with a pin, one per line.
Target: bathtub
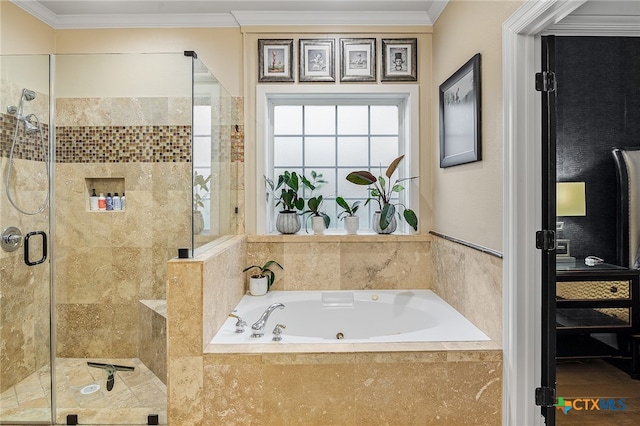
(346, 317)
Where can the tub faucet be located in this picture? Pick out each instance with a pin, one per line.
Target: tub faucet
(258, 327)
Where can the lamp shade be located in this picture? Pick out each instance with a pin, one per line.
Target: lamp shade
(571, 199)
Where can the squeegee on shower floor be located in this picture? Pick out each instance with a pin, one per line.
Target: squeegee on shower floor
(111, 370)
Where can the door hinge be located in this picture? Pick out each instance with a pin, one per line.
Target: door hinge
(545, 397)
(546, 81)
(546, 240)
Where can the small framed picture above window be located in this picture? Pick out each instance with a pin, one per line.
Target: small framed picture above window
(275, 61)
(358, 59)
(399, 59)
(317, 61)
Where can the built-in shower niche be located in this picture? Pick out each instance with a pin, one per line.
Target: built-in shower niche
(103, 186)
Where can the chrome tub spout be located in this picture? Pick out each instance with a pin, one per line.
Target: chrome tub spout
(258, 327)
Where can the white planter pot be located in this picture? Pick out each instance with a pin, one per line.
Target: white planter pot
(258, 285)
(317, 224)
(351, 224)
(288, 222)
(198, 222)
(375, 224)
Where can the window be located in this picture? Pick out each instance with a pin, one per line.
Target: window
(202, 157)
(334, 134)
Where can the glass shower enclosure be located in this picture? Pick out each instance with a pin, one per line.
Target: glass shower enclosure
(83, 330)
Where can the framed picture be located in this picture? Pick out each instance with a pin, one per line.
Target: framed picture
(358, 59)
(317, 61)
(275, 61)
(460, 130)
(399, 59)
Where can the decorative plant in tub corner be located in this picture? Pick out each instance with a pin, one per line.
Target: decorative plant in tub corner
(200, 194)
(384, 221)
(260, 283)
(319, 219)
(351, 220)
(289, 186)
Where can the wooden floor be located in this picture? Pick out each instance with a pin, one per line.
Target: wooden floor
(595, 378)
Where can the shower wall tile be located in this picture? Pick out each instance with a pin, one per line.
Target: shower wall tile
(24, 290)
(463, 277)
(110, 260)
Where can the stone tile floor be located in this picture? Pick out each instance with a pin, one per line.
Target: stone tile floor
(595, 378)
(135, 395)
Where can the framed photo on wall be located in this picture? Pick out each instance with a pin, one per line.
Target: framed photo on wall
(275, 61)
(399, 59)
(357, 59)
(460, 129)
(317, 61)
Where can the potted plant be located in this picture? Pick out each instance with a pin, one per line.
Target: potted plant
(319, 219)
(384, 220)
(289, 184)
(351, 220)
(200, 194)
(260, 283)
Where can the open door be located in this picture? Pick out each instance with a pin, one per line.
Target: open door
(545, 239)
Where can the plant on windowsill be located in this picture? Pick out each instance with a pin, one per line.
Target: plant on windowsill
(286, 192)
(319, 219)
(200, 194)
(348, 214)
(384, 220)
(260, 283)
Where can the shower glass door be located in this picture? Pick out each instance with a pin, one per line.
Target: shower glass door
(25, 298)
(123, 129)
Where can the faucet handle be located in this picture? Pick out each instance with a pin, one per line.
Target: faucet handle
(277, 331)
(240, 324)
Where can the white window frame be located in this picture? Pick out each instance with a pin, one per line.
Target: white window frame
(272, 94)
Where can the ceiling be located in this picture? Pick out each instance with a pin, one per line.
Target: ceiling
(230, 13)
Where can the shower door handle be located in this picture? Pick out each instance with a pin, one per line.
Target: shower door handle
(26, 248)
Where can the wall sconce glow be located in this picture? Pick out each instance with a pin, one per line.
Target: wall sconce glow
(571, 199)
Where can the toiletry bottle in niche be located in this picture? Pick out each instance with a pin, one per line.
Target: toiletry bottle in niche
(123, 201)
(116, 202)
(102, 202)
(109, 201)
(93, 201)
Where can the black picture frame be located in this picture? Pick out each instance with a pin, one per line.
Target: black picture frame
(275, 61)
(460, 119)
(317, 60)
(399, 59)
(357, 59)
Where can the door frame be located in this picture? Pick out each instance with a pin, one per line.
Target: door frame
(522, 189)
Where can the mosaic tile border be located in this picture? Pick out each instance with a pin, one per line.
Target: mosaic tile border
(118, 144)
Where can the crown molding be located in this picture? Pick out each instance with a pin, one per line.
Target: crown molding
(289, 18)
(595, 25)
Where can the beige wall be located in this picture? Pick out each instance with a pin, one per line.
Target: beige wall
(22, 33)
(220, 49)
(250, 47)
(467, 199)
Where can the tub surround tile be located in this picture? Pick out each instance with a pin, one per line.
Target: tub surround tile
(463, 277)
(185, 391)
(345, 262)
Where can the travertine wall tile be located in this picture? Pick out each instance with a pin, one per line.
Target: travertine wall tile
(184, 308)
(471, 282)
(185, 391)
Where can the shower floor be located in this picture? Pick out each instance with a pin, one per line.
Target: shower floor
(135, 394)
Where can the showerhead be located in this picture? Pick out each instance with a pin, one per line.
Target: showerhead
(28, 95)
(31, 124)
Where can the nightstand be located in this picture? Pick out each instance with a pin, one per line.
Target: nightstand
(598, 299)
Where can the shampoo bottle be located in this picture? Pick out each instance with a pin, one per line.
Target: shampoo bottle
(116, 202)
(123, 201)
(93, 201)
(102, 202)
(109, 201)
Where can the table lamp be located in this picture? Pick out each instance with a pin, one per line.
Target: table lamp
(570, 201)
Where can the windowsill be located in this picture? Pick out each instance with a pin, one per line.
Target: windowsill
(331, 237)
